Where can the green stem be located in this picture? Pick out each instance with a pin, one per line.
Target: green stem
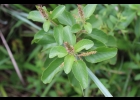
(51, 19)
(114, 75)
(80, 33)
(112, 71)
(126, 83)
(87, 89)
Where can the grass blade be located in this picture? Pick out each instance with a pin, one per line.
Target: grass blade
(99, 84)
(3, 92)
(21, 16)
(4, 60)
(22, 7)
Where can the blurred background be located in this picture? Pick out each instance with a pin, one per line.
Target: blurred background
(120, 75)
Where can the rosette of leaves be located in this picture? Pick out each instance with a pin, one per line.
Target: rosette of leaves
(73, 42)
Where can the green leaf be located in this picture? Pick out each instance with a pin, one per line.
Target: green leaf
(88, 27)
(98, 44)
(53, 6)
(138, 56)
(68, 62)
(66, 18)
(109, 24)
(3, 61)
(133, 91)
(134, 6)
(43, 38)
(102, 54)
(31, 67)
(59, 51)
(36, 16)
(6, 67)
(79, 70)
(83, 44)
(74, 82)
(137, 28)
(68, 36)
(113, 19)
(95, 22)
(75, 28)
(138, 13)
(57, 11)
(99, 35)
(51, 70)
(58, 34)
(123, 44)
(113, 60)
(89, 10)
(129, 17)
(46, 39)
(3, 51)
(111, 41)
(48, 47)
(46, 25)
(47, 61)
(39, 34)
(137, 77)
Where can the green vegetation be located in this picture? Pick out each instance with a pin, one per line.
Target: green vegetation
(70, 50)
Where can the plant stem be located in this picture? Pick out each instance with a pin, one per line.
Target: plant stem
(80, 33)
(126, 82)
(87, 89)
(12, 58)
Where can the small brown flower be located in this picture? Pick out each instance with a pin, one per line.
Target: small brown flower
(68, 47)
(87, 53)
